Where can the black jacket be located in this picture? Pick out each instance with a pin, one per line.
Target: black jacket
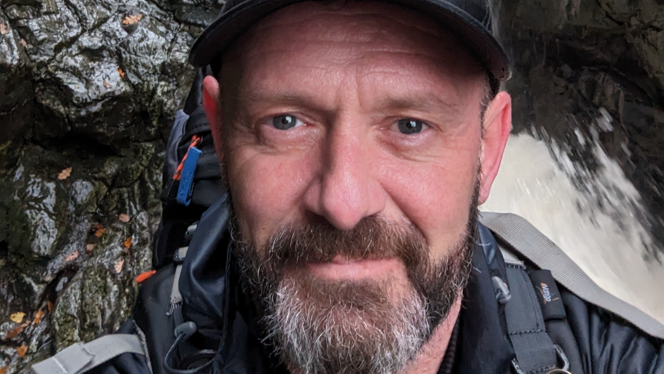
(229, 336)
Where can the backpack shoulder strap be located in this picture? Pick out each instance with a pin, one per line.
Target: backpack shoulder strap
(79, 358)
(535, 351)
(528, 242)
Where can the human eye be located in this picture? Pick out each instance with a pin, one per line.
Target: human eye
(285, 121)
(409, 126)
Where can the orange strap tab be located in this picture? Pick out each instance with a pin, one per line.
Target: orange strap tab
(195, 140)
(145, 276)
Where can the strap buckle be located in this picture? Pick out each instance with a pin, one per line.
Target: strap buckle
(503, 294)
(180, 254)
(561, 357)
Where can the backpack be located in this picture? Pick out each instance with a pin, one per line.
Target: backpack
(191, 179)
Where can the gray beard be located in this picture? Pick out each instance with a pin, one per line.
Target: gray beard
(340, 338)
(344, 327)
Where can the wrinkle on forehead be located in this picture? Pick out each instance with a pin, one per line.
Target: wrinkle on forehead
(368, 27)
(362, 39)
(371, 15)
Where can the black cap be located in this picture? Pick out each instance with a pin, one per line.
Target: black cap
(470, 20)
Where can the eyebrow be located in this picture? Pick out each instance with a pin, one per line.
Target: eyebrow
(418, 102)
(287, 98)
(415, 102)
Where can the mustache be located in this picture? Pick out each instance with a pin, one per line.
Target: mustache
(372, 238)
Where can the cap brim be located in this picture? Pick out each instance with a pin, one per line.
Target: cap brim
(227, 28)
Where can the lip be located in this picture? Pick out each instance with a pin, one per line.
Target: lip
(345, 268)
(344, 260)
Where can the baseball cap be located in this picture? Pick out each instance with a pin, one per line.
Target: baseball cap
(470, 20)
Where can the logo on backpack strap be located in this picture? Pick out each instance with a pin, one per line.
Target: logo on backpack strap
(547, 295)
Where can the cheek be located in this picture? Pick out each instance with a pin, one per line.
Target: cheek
(436, 196)
(267, 190)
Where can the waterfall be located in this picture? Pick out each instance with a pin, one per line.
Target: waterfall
(596, 218)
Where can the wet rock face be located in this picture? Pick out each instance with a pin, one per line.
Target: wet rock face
(88, 91)
(593, 72)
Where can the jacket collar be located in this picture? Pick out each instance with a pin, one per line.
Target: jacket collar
(483, 345)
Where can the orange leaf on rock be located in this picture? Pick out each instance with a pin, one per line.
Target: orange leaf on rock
(64, 174)
(49, 306)
(14, 332)
(127, 243)
(100, 232)
(3, 370)
(132, 19)
(72, 256)
(38, 316)
(122, 73)
(22, 350)
(124, 218)
(118, 266)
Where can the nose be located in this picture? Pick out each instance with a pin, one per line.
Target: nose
(346, 189)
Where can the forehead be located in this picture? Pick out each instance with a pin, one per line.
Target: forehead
(361, 22)
(363, 37)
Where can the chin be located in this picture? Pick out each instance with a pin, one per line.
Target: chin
(329, 326)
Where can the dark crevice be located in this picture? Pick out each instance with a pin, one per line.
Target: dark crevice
(13, 108)
(57, 286)
(82, 146)
(4, 250)
(51, 82)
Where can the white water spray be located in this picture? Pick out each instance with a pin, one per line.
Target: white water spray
(597, 225)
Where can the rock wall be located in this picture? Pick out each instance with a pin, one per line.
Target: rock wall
(88, 90)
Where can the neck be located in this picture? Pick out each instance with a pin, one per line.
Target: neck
(431, 356)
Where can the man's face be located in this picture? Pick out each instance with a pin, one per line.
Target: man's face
(353, 151)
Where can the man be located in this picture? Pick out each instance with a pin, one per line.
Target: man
(354, 149)
(357, 139)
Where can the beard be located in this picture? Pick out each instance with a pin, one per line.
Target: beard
(368, 326)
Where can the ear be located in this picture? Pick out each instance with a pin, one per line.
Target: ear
(211, 105)
(497, 126)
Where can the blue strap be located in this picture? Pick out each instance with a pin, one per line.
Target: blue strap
(187, 179)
